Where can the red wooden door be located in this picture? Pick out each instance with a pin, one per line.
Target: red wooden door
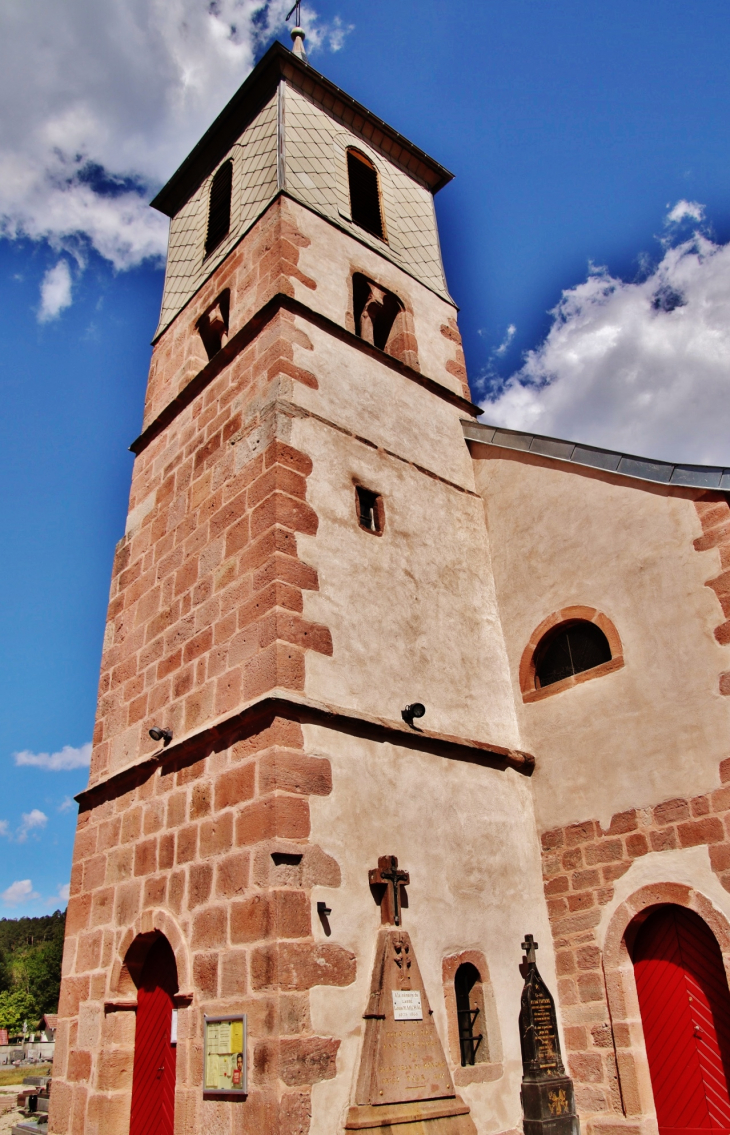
(685, 1011)
(153, 1079)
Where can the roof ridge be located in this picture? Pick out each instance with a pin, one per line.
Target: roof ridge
(682, 474)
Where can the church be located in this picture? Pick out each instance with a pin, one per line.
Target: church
(409, 802)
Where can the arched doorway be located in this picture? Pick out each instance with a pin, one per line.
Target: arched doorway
(685, 1012)
(153, 1079)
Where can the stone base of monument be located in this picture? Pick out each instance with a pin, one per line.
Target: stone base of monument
(417, 1117)
(548, 1107)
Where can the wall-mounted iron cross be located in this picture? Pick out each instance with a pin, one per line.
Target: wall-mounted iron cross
(387, 873)
(529, 946)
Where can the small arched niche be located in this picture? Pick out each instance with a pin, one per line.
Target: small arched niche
(571, 646)
(474, 1038)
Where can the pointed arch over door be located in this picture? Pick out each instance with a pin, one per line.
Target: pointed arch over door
(153, 1079)
(685, 1013)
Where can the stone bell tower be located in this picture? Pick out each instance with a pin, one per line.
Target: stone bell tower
(305, 554)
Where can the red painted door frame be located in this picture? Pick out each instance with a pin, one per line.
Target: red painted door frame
(685, 1012)
(153, 1078)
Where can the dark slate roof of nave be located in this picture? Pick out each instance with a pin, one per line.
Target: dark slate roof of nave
(593, 457)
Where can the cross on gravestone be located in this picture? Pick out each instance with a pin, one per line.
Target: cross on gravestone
(529, 946)
(387, 873)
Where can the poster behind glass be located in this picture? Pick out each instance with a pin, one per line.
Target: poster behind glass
(225, 1055)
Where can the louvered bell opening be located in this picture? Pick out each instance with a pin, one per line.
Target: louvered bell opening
(219, 209)
(364, 195)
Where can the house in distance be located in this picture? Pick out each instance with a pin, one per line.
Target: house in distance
(384, 690)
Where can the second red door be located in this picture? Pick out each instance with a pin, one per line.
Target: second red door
(685, 1012)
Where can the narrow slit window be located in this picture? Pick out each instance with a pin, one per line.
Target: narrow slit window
(570, 649)
(369, 510)
(364, 193)
(219, 207)
(470, 1014)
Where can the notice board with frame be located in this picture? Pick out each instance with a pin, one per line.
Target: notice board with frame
(224, 1056)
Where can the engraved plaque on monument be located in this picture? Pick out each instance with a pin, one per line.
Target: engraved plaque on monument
(404, 1077)
(548, 1102)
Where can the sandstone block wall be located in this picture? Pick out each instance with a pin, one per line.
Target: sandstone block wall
(206, 601)
(213, 851)
(581, 865)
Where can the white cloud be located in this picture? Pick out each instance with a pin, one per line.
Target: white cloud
(33, 821)
(65, 804)
(18, 892)
(64, 892)
(101, 101)
(509, 336)
(66, 758)
(55, 292)
(642, 367)
(685, 210)
(5, 829)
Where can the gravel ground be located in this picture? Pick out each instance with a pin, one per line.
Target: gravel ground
(9, 1115)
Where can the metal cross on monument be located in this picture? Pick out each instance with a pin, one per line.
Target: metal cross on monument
(529, 946)
(387, 873)
(297, 19)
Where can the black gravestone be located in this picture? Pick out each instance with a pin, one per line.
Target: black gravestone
(548, 1101)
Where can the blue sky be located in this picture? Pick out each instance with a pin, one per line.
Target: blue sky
(592, 160)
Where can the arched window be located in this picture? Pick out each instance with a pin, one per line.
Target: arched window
(364, 193)
(219, 207)
(571, 648)
(470, 1014)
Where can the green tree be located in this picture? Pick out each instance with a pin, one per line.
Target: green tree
(37, 971)
(30, 958)
(15, 1008)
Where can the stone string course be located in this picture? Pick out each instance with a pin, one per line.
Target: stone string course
(264, 263)
(581, 863)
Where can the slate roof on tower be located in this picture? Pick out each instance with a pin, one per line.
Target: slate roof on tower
(254, 93)
(287, 130)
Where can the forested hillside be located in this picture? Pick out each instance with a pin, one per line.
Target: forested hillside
(30, 969)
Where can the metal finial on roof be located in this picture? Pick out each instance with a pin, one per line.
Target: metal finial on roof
(297, 32)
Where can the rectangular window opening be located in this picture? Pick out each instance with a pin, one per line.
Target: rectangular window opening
(369, 510)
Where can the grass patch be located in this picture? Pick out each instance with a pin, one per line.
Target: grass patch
(17, 1075)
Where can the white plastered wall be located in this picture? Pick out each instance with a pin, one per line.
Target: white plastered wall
(467, 836)
(656, 728)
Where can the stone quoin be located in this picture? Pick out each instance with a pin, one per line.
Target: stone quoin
(561, 613)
